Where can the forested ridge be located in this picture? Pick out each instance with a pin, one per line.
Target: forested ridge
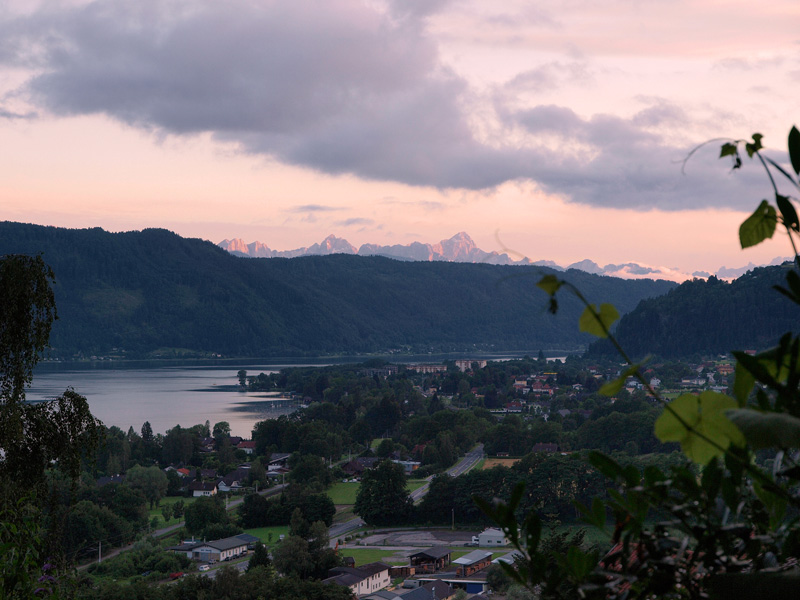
(146, 291)
(706, 317)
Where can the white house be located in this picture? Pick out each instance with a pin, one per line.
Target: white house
(362, 580)
(201, 488)
(492, 537)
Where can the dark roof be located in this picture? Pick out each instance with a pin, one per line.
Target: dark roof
(345, 579)
(435, 552)
(278, 456)
(436, 590)
(226, 543)
(362, 572)
(185, 546)
(246, 537)
(439, 589)
(202, 486)
(373, 567)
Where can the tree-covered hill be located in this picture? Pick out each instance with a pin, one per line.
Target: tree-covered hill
(708, 317)
(149, 290)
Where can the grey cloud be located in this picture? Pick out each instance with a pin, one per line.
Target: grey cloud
(416, 8)
(748, 64)
(13, 116)
(626, 166)
(335, 86)
(550, 76)
(355, 221)
(305, 208)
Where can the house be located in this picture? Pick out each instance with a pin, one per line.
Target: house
(223, 549)
(435, 590)
(362, 580)
(430, 560)
(409, 466)
(202, 488)
(248, 446)
(358, 465)
(544, 447)
(472, 562)
(234, 481)
(492, 537)
(218, 550)
(277, 459)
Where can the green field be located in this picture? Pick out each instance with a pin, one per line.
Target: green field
(345, 493)
(363, 556)
(156, 512)
(262, 533)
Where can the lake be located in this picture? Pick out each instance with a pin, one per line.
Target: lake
(166, 396)
(125, 395)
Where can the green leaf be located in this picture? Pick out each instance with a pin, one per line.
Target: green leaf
(794, 149)
(743, 383)
(767, 430)
(696, 421)
(754, 146)
(605, 464)
(611, 388)
(598, 322)
(550, 284)
(788, 212)
(759, 226)
(728, 149)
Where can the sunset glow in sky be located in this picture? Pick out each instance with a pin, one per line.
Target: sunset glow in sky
(556, 127)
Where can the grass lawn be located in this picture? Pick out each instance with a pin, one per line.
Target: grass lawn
(345, 493)
(156, 512)
(363, 556)
(262, 533)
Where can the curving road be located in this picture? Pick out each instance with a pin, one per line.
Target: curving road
(470, 459)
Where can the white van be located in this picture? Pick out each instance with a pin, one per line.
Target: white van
(203, 568)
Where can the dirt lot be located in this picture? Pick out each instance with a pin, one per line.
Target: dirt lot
(439, 537)
(493, 462)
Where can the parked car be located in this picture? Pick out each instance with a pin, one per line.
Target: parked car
(176, 575)
(203, 568)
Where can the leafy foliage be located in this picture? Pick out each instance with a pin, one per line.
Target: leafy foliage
(724, 523)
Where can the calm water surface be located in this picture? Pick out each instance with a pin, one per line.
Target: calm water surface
(165, 396)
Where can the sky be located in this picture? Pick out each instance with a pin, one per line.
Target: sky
(552, 130)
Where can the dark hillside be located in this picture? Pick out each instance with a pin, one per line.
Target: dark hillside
(151, 289)
(709, 317)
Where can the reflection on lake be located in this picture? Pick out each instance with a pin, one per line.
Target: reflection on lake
(165, 396)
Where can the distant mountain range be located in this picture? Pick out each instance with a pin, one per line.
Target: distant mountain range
(461, 248)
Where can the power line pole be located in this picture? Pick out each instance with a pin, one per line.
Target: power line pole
(100, 552)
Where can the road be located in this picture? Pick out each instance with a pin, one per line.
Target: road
(165, 530)
(470, 459)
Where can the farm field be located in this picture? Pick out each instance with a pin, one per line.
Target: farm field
(345, 493)
(493, 462)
